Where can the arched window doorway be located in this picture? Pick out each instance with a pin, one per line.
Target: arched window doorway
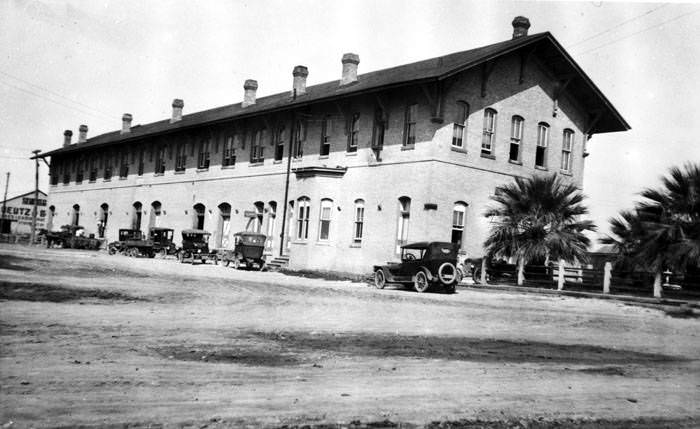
(403, 218)
(49, 218)
(75, 219)
(270, 229)
(102, 220)
(198, 219)
(156, 211)
(136, 215)
(224, 225)
(256, 220)
(459, 214)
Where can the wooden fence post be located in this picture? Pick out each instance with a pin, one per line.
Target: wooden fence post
(607, 274)
(560, 280)
(483, 271)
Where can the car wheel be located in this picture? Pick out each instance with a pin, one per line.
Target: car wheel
(261, 266)
(379, 279)
(162, 253)
(181, 257)
(420, 283)
(112, 250)
(447, 273)
(226, 262)
(236, 264)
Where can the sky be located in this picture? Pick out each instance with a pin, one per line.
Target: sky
(72, 62)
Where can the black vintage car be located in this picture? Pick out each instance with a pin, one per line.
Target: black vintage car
(131, 243)
(423, 265)
(248, 250)
(72, 237)
(162, 239)
(195, 245)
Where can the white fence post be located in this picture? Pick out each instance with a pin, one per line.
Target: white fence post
(560, 280)
(483, 271)
(607, 274)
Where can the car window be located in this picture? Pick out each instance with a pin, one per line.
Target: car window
(412, 254)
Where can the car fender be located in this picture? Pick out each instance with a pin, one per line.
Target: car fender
(427, 272)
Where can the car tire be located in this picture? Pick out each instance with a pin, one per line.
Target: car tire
(236, 264)
(420, 282)
(441, 274)
(379, 279)
(162, 253)
(226, 262)
(112, 250)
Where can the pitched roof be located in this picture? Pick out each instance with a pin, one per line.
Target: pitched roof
(42, 194)
(427, 70)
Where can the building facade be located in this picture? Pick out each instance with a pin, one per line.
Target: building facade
(16, 213)
(340, 175)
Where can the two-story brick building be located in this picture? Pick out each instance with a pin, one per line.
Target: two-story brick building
(338, 175)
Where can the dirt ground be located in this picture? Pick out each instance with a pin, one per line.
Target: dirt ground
(96, 340)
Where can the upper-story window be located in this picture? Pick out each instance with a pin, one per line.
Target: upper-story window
(460, 126)
(160, 160)
(359, 221)
(303, 208)
(257, 147)
(354, 133)
(404, 216)
(409, 133)
(229, 153)
(489, 135)
(567, 146)
(108, 166)
(325, 148)
(203, 156)
(124, 165)
(140, 163)
(542, 144)
(516, 138)
(278, 142)
(181, 157)
(299, 138)
(324, 227)
(79, 171)
(378, 129)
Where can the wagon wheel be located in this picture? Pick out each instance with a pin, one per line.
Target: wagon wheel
(226, 262)
(133, 252)
(379, 279)
(261, 265)
(162, 253)
(112, 250)
(216, 260)
(236, 263)
(420, 283)
(181, 257)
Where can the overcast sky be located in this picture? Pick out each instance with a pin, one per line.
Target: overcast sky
(66, 63)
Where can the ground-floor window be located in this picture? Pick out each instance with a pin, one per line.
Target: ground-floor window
(458, 222)
(324, 228)
(359, 221)
(403, 219)
(303, 208)
(136, 216)
(102, 223)
(199, 210)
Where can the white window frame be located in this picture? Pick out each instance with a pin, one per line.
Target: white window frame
(324, 219)
(542, 143)
(303, 209)
(567, 147)
(516, 136)
(459, 132)
(459, 219)
(489, 133)
(359, 221)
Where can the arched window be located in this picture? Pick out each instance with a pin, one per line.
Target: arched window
(49, 219)
(198, 218)
(223, 229)
(102, 222)
(75, 219)
(459, 213)
(136, 215)
(567, 146)
(258, 220)
(156, 211)
(324, 226)
(516, 137)
(403, 218)
(359, 221)
(303, 208)
(460, 127)
(489, 135)
(542, 144)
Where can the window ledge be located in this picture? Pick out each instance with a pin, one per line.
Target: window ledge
(304, 243)
(323, 157)
(458, 149)
(537, 167)
(178, 172)
(356, 245)
(160, 174)
(515, 162)
(256, 164)
(488, 156)
(107, 180)
(408, 147)
(91, 181)
(228, 167)
(323, 243)
(202, 170)
(277, 161)
(351, 153)
(297, 159)
(123, 178)
(566, 172)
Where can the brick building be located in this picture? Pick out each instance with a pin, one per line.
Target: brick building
(338, 175)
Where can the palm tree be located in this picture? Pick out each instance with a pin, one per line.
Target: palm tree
(627, 230)
(671, 219)
(538, 218)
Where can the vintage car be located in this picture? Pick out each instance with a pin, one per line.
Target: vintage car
(162, 239)
(248, 250)
(131, 243)
(423, 265)
(73, 237)
(195, 245)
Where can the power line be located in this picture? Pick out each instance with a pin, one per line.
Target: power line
(617, 26)
(55, 94)
(640, 31)
(54, 101)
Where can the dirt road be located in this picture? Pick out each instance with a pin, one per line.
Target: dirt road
(92, 339)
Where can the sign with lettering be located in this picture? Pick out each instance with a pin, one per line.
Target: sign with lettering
(18, 211)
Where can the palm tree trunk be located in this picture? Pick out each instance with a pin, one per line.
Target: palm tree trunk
(657, 285)
(521, 271)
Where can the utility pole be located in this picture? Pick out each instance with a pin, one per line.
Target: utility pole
(4, 201)
(286, 184)
(36, 193)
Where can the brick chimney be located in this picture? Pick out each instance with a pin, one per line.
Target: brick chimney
(520, 26)
(177, 110)
(82, 133)
(350, 62)
(250, 86)
(126, 123)
(67, 135)
(299, 84)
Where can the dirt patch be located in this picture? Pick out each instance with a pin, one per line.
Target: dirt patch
(10, 262)
(213, 353)
(605, 370)
(17, 291)
(460, 348)
(327, 275)
(683, 312)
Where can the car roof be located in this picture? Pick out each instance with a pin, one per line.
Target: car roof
(248, 233)
(425, 244)
(195, 231)
(160, 228)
